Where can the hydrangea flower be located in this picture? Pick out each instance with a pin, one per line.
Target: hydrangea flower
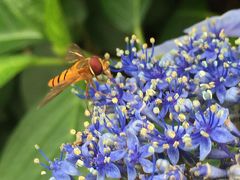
(165, 110)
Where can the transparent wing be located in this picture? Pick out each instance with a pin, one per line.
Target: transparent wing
(74, 54)
(57, 90)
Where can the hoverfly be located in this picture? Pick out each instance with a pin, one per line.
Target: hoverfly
(84, 68)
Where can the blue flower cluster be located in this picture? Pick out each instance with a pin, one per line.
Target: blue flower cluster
(162, 116)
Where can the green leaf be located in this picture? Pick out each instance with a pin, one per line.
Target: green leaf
(49, 127)
(11, 65)
(126, 15)
(27, 13)
(18, 39)
(55, 27)
(20, 23)
(75, 13)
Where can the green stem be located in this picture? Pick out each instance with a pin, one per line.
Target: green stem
(137, 21)
(138, 32)
(41, 61)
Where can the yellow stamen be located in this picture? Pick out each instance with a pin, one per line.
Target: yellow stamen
(156, 110)
(171, 134)
(176, 144)
(79, 163)
(43, 173)
(86, 124)
(165, 146)
(152, 40)
(181, 117)
(81, 178)
(114, 100)
(204, 134)
(36, 161)
(72, 131)
(151, 149)
(77, 151)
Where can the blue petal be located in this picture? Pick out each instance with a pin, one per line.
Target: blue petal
(230, 22)
(218, 154)
(131, 171)
(132, 140)
(222, 135)
(165, 47)
(117, 155)
(144, 151)
(199, 118)
(69, 168)
(112, 171)
(101, 175)
(224, 116)
(232, 128)
(146, 165)
(85, 150)
(59, 175)
(231, 81)
(205, 147)
(159, 149)
(233, 95)
(90, 176)
(221, 92)
(173, 154)
(162, 176)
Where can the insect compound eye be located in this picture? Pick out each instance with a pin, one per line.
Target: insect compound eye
(96, 65)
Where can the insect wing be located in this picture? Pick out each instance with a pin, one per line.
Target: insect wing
(74, 54)
(57, 90)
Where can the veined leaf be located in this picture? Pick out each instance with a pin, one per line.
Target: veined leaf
(18, 39)
(11, 65)
(126, 15)
(55, 27)
(49, 127)
(20, 23)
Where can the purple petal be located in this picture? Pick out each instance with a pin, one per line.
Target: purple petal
(157, 177)
(205, 147)
(117, 155)
(221, 92)
(224, 116)
(144, 151)
(230, 22)
(131, 171)
(166, 46)
(231, 81)
(218, 154)
(207, 170)
(90, 176)
(221, 135)
(112, 171)
(69, 168)
(146, 165)
(232, 128)
(132, 140)
(59, 175)
(101, 174)
(233, 95)
(173, 154)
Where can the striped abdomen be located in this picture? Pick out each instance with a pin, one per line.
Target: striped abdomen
(65, 75)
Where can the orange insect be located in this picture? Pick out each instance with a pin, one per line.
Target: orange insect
(82, 69)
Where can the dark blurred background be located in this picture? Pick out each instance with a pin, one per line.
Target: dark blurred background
(34, 37)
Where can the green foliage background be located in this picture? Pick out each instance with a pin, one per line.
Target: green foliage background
(34, 37)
